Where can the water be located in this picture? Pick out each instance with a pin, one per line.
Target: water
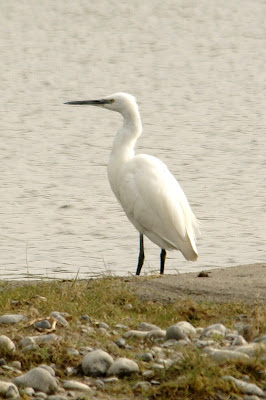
(197, 69)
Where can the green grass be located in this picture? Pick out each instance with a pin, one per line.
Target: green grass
(105, 300)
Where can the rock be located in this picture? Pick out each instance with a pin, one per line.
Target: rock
(6, 345)
(121, 343)
(187, 328)
(121, 326)
(104, 325)
(216, 329)
(204, 343)
(252, 349)
(29, 391)
(260, 339)
(44, 324)
(96, 363)
(156, 334)
(16, 364)
(40, 396)
(39, 379)
(135, 333)
(244, 387)
(51, 337)
(174, 332)
(85, 318)
(59, 317)
(12, 318)
(146, 357)
(148, 374)
(123, 366)
(2, 362)
(8, 390)
(144, 326)
(72, 352)
(143, 385)
(58, 397)
(221, 356)
(70, 371)
(48, 368)
(252, 397)
(75, 385)
(26, 341)
(88, 330)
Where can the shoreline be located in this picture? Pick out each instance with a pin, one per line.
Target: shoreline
(243, 283)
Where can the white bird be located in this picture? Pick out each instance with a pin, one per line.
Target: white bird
(148, 193)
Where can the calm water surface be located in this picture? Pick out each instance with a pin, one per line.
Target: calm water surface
(197, 69)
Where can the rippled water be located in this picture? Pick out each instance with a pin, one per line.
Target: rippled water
(197, 69)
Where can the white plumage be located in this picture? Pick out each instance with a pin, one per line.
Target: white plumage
(148, 193)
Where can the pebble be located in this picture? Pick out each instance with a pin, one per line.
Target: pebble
(122, 367)
(104, 325)
(44, 324)
(147, 357)
(96, 363)
(215, 329)
(16, 364)
(252, 349)
(50, 337)
(121, 343)
(75, 385)
(121, 326)
(72, 352)
(148, 374)
(221, 356)
(175, 332)
(6, 345)
(244, 387)
(260, 339)
(85, 318)
(57, 397)
(144, 326)
(12, 318)
(156, 334)
(187, 328)
(59, 317)
(39, 379)
(9, 390)
(136, 334)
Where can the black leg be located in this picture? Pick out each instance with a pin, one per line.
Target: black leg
(141, 254)
(163, 256)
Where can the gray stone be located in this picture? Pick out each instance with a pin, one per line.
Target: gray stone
(148, 374)
(75, 385)
(121, 343)
(142, 385)
(70, 371)
(26, 341)
(221, 356)
(8, 390)
(12, 318)
(187, 328)
(2, 362)
(44, 324)
(252, 349)
(146, 357)
(136, 334)
(72, 352)
(51, 337)
(57, 397)
(104, 325)
(175, 332)
(48, 368)
(121, 326)
(6, 345)
(156, 334)
(39, 379)
(29, 391)
(96, 363)
(16, 364)
(123, 366)
(59, 318)
(260, 339)
(216, 329)
(244, 387)
(144, 326)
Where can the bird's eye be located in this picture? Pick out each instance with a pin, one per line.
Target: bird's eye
(112, 101)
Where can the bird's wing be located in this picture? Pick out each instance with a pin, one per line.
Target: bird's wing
(153, 200)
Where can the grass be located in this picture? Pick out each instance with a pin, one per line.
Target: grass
(106, 300)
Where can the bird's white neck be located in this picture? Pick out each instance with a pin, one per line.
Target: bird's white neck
(124, 144)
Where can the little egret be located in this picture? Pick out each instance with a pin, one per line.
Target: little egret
(148, 193)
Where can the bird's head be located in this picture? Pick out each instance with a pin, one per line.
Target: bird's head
(120, 102)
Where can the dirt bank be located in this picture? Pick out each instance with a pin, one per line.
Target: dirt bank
(245, 283)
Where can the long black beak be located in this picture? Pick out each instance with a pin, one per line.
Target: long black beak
(88, 102)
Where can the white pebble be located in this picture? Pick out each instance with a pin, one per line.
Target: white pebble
(6, 345)
(248, 388)
(135, 333)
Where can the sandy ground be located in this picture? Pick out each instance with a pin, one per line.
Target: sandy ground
(245, 283)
